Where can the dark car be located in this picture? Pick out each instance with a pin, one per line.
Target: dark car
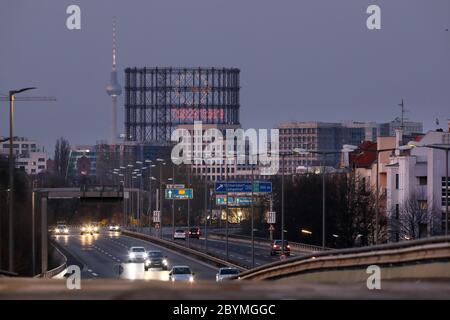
(194, 233)
(155, 259)
(276, 248)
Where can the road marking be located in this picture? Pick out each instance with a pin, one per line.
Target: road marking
(94, 274)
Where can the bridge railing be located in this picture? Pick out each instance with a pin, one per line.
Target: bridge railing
(415, 253)
(5, 273)
(62, 264)
(295, 246)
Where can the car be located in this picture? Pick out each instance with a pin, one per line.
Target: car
(87, 229)
(114, 228)
(275, 248)
(181, 273)
(156, 259)
(179, 234)
(226, 273)
(137, 254)
(95, 227)
(194, 233)
(61, 229)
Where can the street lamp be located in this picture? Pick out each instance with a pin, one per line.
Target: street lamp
(323, 154)
(151, 165)
(12, 94)
(162, 163)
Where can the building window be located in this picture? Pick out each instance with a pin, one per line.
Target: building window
(443, 191)
(422, 180)
(423, 205)
(397, 181)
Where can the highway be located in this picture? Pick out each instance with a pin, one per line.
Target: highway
(238, 252)
(105, 255)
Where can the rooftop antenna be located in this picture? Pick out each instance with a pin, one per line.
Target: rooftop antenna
(402, 106)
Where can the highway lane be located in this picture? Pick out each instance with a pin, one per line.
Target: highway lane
(237, 251)
(106, 256)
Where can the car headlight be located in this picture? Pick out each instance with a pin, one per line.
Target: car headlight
(83, 229)
(56, 230)
(145, 255)
(191, 279)
(66, 230)
(95, 229)
(132, 255)
(164, 262)
(147, 262)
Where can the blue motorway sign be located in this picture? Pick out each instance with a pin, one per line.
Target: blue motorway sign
(221, 200)
(179, 194)
(243, 187)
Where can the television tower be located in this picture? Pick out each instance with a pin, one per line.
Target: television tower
(114, 89)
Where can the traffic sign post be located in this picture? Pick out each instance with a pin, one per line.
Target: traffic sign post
(271, 229)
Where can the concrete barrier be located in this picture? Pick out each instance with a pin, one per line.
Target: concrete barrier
(295, 246)
(419, 259)
(61, 261)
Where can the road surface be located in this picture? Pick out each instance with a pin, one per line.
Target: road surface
(105, 255)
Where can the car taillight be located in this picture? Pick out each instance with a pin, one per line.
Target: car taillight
(288, 246)
(275, 246)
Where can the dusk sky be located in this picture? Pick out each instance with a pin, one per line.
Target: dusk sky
(300, 60)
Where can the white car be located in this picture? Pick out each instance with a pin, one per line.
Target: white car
(181, 273)
(114, 228)
(226, 273)
(179, 234)
(61, 229)
(137, 254)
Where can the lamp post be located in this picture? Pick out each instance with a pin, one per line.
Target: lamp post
(162, 163)
(150, 166)
(12, 94)
(252, 222)
(323, 154)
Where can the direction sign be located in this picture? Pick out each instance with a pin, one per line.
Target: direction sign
(221, 200)
(243, 187)
(179, 194)
(175, 186)
(156, 216)
(271, 217)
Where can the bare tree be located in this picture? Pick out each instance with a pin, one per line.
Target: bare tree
(414, 219)
(62, 152)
